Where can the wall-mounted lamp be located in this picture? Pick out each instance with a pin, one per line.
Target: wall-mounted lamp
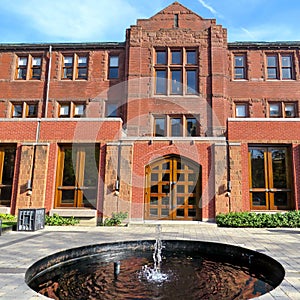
(117, 187)
(28, 188)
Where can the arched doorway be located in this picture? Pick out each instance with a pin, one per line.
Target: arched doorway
(173, 189)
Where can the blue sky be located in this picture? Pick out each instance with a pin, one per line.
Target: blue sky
(34, 21)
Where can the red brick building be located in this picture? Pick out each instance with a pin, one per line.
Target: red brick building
(174, 123)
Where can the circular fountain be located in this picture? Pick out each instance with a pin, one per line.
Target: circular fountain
(133, 270)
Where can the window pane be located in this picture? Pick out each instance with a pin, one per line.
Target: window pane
(159, 126)
(176, 127)
(191, 57)
(69, 173)
(114, 61)
(191, 124)
(241, 110)
(279, 168)
(64, 110)
(22, 61)
(272, 61)
(286, 61)
(272, 73)
(239, 73)
(112, 110)
(239, 61)
(79, 110)
(36, 61)
(113, 73)
(286, 73)
(68, 61)
(176, 57)
(36, 73)
(275, 110)
(258, 199)
(161, 57)
(8, 166)
(82, 73)
(176, 82)
(68, 73)
(161, 82)
(82, 61)
(257, 168)
(32, 110)
(281, 199)
(17, 111)
(290, 110)
(191, 77)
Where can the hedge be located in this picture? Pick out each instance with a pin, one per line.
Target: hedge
(259, 220)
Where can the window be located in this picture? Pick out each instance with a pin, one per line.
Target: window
(24, 110)
(7, 166)
(29, 67)
(112, 110)
(279, 66)
(241, 110)
(77, 176)
(239, 66)
(272, 67)
(75, 66)
(270, 181)
(71, 110)
(113, 72)
(176, 71)
(170, 125)
(282, 110)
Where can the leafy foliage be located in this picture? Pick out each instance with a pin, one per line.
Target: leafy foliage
(57, 220)
(116, 219)
(7, 217)
(259, 220)
(8, 220)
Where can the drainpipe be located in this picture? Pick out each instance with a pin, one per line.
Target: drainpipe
(228, 193)
(48, 82)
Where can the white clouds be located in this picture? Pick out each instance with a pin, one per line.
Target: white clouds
(76, 20)
(263, 32)
(210, 8)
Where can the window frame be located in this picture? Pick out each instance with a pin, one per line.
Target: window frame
(72, 105)
(25, 111)
(282, 105)
(279, 67)
(74, 67)
(29, 69)
(243, 67)
(168, 128)
(175, 59)
(241, 104)
(112, 68)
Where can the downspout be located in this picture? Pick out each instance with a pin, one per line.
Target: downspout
(228, 194)
(48, 82)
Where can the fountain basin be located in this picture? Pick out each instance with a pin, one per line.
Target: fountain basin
(200, 270)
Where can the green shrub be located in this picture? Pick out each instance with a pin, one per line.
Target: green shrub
(7, 217)
(57, 220)
(259, 220)
(116, 219)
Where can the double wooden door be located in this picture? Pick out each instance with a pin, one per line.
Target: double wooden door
(173, 190)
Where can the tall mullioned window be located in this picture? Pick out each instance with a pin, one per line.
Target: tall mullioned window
(176, 71)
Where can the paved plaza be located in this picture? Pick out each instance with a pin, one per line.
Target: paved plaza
(19, 250)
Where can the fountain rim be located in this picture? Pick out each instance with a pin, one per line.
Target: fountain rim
(72, 254)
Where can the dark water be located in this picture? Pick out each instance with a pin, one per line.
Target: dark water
(191, 276)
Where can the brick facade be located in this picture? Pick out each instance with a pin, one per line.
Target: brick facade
(119, 91)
